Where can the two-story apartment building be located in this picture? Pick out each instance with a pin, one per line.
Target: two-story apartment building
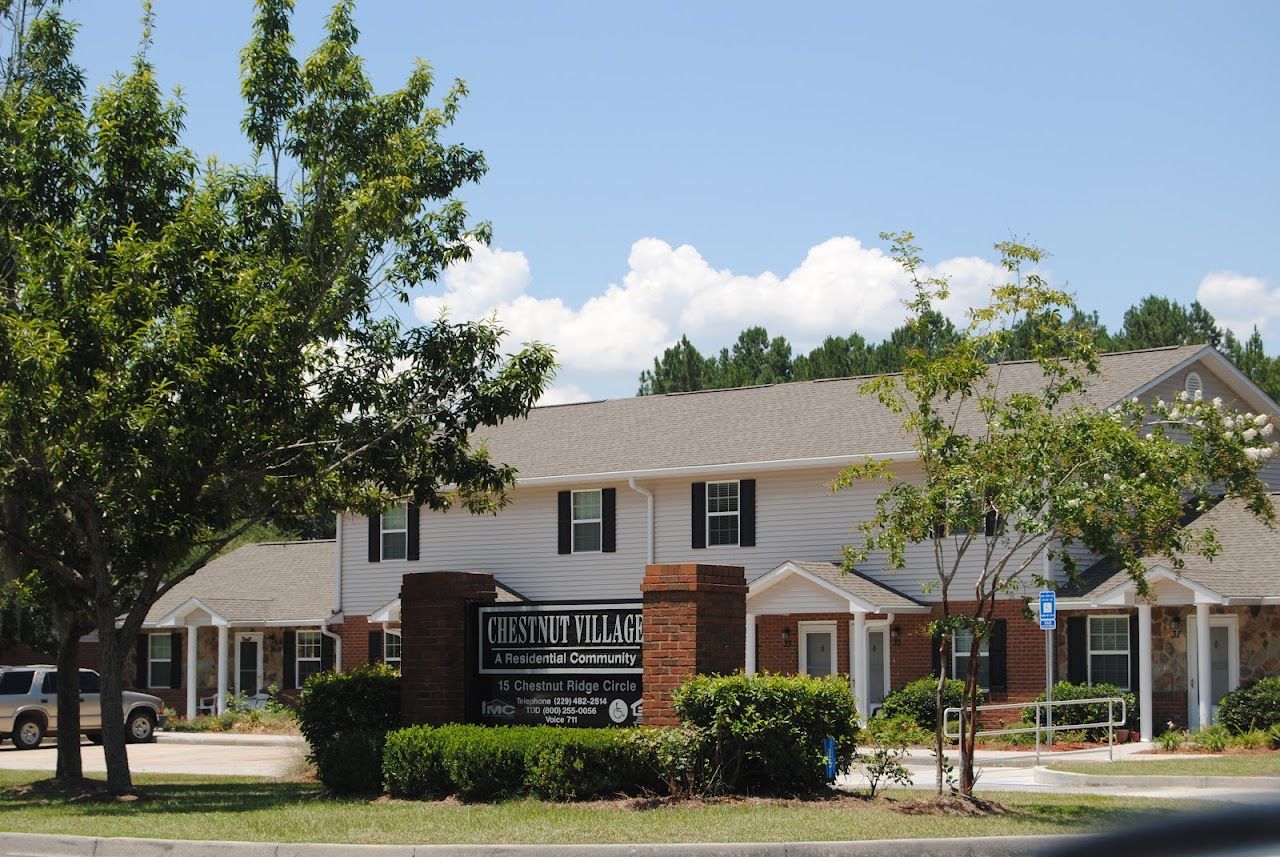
(742, 477)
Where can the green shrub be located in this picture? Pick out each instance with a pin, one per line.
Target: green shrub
(918, 700)
(677, 760)
(352, 764)
(1073, 715)
(888, 740)
(767, 731)
(1252, 739)
(1274, 734)
(413, 764)
(1171, 739)
(1252, 706)
(480, 763)
(1213, 738)
(364, 700)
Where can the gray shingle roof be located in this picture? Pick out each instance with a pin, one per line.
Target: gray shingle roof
(860, 586)
(271, 582)
(806, 419)
(1246, 567)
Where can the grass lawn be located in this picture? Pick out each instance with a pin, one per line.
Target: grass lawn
(187, 807)
(1245, 765)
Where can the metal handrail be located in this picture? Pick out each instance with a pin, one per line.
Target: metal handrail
(1110, 724)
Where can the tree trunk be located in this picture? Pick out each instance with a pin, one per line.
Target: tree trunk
(69, 767)
(114, 649)
(969, 735)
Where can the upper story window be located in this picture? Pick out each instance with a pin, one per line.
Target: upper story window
(1109, 650)
(160, 660)
(395, 533)
(392, 647)
(588, 521)
(722, 513)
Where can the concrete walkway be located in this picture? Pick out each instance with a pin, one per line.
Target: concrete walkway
(241, 759)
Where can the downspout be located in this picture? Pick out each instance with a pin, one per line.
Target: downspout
(648, 501)
(337, 592)
(337, 647)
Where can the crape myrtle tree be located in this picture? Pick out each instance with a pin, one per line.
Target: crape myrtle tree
(1008, 474)
(190, 349)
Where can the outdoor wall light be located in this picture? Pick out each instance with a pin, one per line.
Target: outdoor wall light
(1176, 624)
(895, 634)
(786, 636)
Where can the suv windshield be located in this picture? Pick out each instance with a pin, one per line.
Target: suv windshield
(15, 682)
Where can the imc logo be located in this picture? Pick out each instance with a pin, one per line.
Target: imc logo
(497, 708)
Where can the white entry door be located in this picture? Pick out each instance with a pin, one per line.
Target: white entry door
(1224, 665)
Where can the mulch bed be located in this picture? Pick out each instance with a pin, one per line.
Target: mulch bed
(949, 805)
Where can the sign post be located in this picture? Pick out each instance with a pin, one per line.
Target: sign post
(1048, 622)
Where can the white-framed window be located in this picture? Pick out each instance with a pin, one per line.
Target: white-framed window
(588, 521)
(160, 660)
(395, 533)
(392, 646)
(961, 641)
(307, 653)
(1109, 650)
(722, 513)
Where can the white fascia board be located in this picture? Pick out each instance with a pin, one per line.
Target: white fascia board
(856, 605)
(173, 619)
(712, 469)
(389, 612)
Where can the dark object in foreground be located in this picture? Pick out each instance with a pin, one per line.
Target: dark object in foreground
(1238, 830)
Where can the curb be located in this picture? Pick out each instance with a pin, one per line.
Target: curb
(1044, 776)
(230, 739)
(91, 846)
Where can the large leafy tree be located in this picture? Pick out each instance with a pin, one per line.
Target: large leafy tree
(1005, 478)
(188, 349)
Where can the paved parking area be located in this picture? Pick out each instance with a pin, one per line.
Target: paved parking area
(166, 758)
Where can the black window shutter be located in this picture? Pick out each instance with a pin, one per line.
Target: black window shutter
(699, 503)
(747, 513)
(327, 661)
(143, 654)
(375, 538)
(936, 654)
(290, 660)
(1077, 649)
(564, 529)
(997, 656)
(375, 647)
(1135, 665)
(412, 517)
(609, 520)
(175, 656)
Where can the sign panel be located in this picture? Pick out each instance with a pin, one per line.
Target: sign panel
(569, 664)
(1048, 610)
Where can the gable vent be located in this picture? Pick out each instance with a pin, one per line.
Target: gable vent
(1193, 384)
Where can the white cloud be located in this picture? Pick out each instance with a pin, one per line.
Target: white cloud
(564, 394)
(840, 286)
(1240, 303)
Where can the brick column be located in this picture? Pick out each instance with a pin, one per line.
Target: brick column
(438, 657)
(695, 623)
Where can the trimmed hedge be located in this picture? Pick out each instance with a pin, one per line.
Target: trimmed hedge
(345, 717)
(479, 763)
(766, 732)
(918, 701)
(1252, 706)
(1093, 713)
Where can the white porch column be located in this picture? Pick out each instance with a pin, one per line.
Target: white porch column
(751, 644)
(859, 667)
(193, 679)
(222, 669)
(1204, 681)
(1145, 702)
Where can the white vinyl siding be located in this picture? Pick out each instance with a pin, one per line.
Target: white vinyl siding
(1109, 650)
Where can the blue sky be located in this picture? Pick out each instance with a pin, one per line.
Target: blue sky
(662, 168)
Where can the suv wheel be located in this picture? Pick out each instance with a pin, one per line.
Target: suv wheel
(141, 727)
(28, 733)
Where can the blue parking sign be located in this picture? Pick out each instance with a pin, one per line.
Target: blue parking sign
(1048, 610)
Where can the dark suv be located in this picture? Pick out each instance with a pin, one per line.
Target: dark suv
(29, 707)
